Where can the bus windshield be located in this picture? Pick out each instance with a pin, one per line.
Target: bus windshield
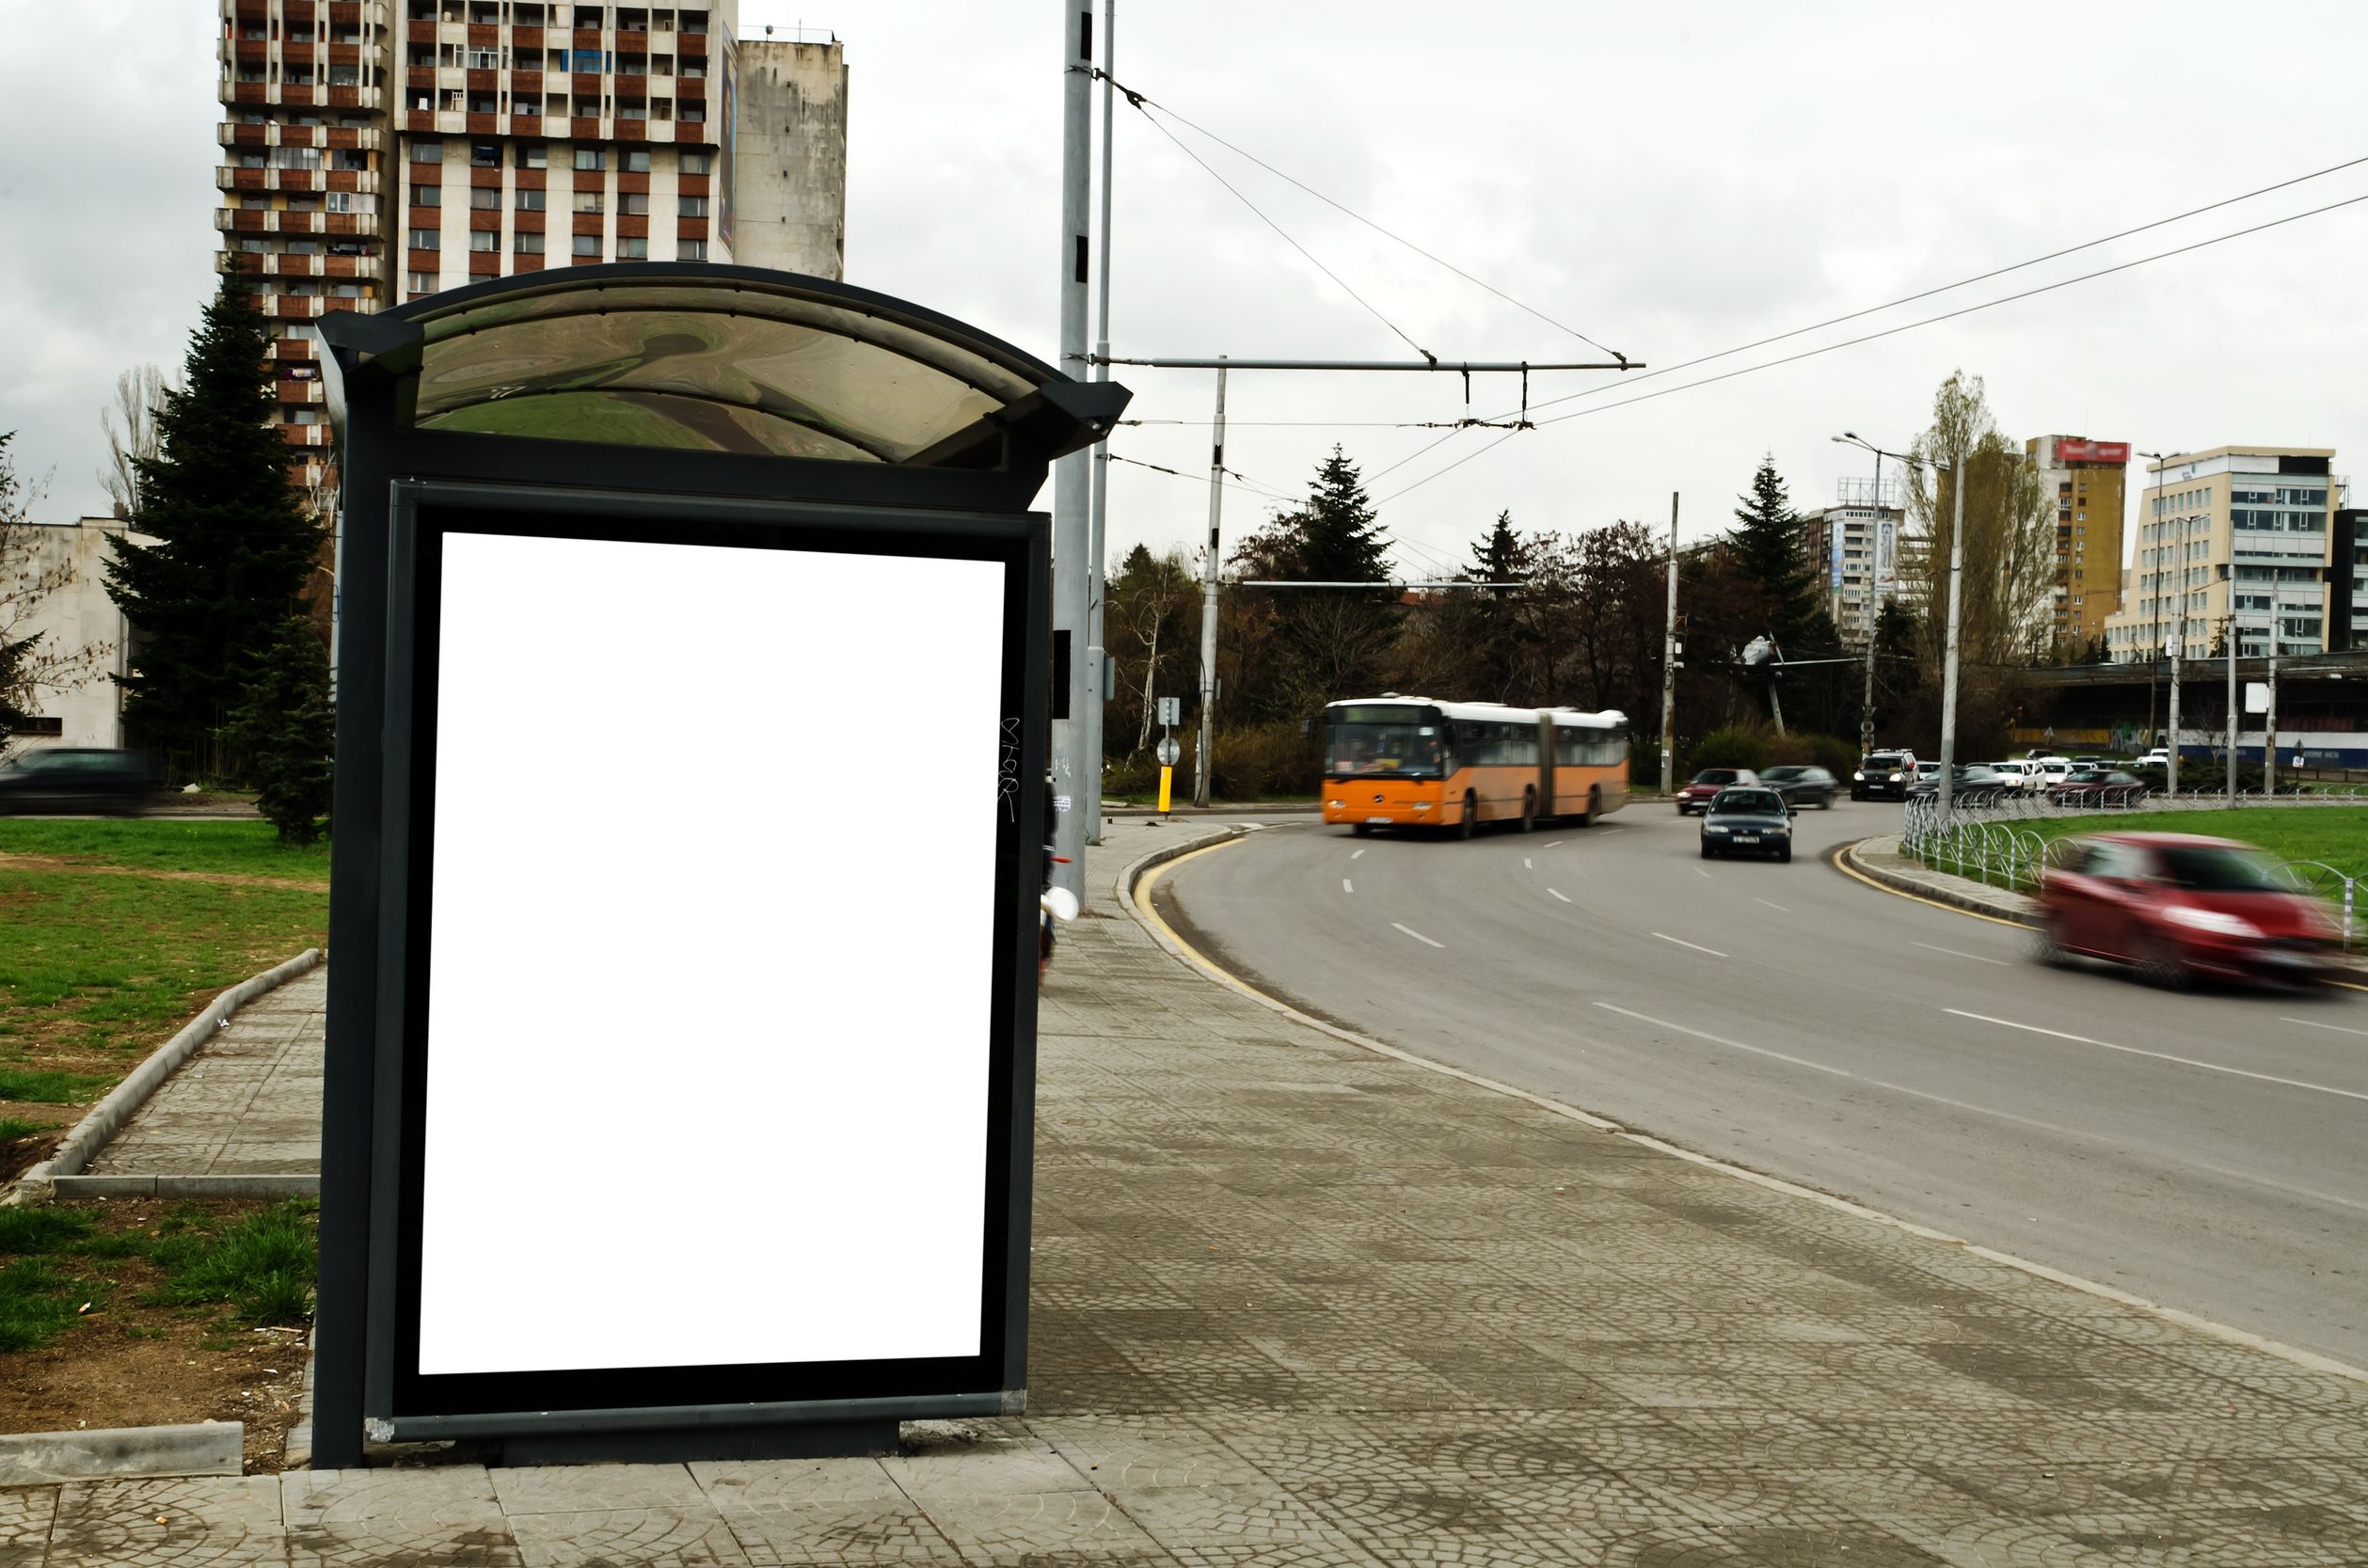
(1407, 744)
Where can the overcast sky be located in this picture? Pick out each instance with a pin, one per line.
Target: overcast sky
(1670, 181)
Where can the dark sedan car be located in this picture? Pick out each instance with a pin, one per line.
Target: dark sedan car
(2097, 786)
(1747, 821)
(1969, 785)
(1802, 785)
(74, 779)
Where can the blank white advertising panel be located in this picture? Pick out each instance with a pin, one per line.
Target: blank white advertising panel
(709, 982)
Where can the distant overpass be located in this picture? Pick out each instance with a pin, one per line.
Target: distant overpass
(2123, 708)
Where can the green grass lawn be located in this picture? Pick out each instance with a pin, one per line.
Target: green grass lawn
(101, 959)
(236, 847)
(2330, 835)
(58, 1264)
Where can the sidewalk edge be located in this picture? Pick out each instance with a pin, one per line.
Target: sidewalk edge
(117, 1106)
(1891, 882)
(1131, 875)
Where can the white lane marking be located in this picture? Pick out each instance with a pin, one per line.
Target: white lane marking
(1610, 829)
(1955, 954)
(1348, 886)
(2162, 1056)
(1696, 946)
(1354, 853)
(1417, 935)
(1528, 865)
(1778, 908)
(2314, 1023)
(1559, 894)
(1720, 1039)
(1556, 844)
(1699, 872)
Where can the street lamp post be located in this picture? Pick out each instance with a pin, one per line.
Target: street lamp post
(1958, 473)
(2177, 646)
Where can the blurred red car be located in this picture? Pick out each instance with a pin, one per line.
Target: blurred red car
(2180, 907)
(1697, 796)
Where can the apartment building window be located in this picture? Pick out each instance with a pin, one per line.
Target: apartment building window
(697, 163)
(692, 251)
(588, 201)
(427, 195)
(633, 247)
(421, 282)
(586, 245)
(637, 161)
(485, 59)
(690, 206)
(426, 239)
(485, 199)
(427, 151)
(531, 201)
(693, 114)
(585, 62)
(482, 239)
(345, 76)
(533, 154)
(634, 204)
(528, 244)
(484, 154)
(592, 158)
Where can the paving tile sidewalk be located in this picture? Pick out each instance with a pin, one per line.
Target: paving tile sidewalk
(1297, 1303)
(249, 1103)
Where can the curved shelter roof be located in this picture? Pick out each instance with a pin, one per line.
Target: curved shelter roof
(695, 357)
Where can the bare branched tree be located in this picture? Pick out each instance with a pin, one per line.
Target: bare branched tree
(32, 662)
(130, 423)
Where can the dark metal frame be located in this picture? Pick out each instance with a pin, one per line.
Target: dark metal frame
(978, 488)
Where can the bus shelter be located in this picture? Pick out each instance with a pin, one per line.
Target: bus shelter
(692, 670)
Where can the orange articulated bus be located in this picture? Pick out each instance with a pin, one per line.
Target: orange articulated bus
(1409, 761)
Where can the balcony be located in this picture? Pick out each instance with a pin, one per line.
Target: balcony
(292, 390)
(293, 307)
(305, 435)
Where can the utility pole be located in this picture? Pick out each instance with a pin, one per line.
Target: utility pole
(2269, 720)
(1202, 766)
(1873, 602)
(1957, 475)
(1097, 566)
(1076, 772)
(1669, 663)
(2231, 624)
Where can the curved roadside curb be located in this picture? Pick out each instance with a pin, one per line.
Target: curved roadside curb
(1963, 895)
(119, 1453)
(107, 1119)
(1132, 871)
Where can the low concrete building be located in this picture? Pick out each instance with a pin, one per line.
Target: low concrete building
(75, 616)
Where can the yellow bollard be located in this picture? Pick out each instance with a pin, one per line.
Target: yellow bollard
(1167, 777)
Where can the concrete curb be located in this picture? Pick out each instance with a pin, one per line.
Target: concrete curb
(1961, 895)
(228, 1185)
(107, 1119)
(114, 1453)
(1304, 808)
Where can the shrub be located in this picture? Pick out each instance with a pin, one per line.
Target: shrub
(1836, 756)
(1253, 760)
(1737, 745)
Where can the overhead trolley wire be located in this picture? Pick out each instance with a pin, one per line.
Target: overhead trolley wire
(1278, 228)
(1962, 311)
(1147, 104)
(1927, 321)
(1961, 283)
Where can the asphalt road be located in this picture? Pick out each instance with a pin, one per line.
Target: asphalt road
(1797, 1022)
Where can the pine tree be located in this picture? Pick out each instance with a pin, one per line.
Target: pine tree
(1767, 545)
(234, 542)
(1342, 541)
(287, 729)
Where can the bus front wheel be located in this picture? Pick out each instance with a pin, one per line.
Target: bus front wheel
(1471, 815)
(1363, 830)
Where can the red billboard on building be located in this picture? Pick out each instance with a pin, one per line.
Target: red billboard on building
(2068, 450)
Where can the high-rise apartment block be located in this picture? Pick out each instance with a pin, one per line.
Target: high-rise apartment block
(1853, 549)
(303, 179)
(377, 150)
(2086, 479)
(2241, 533)
(540, 136)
